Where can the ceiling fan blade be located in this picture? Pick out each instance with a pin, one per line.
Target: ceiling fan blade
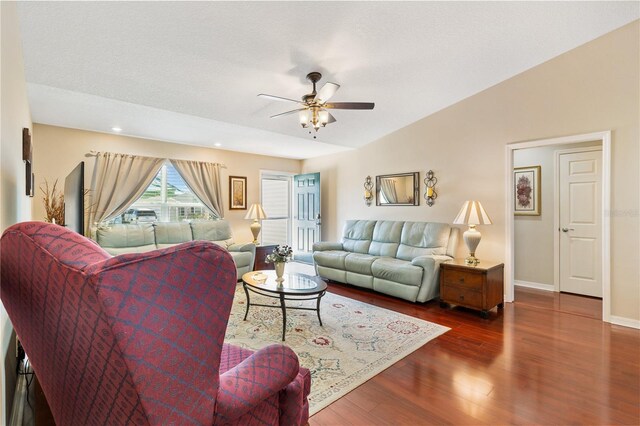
(350, 105)
(278, 98)
(287, 113)
(326, 92)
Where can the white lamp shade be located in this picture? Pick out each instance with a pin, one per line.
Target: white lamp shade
(323, 115)
(303, 116)
(472, 213)
(256, 212)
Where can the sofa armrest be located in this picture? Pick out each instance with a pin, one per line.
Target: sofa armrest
(326, 245)
(246, 385)
(430, 286)
(429, 261)
(242, 247)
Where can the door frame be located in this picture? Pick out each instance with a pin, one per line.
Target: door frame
(556, 211)
(605, 139)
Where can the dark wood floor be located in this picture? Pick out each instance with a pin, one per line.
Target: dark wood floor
(545, 359)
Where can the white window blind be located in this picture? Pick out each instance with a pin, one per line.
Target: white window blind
(277, 206)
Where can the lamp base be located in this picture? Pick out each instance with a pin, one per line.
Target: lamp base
(255, 230)
(471, 260)
(472, 238)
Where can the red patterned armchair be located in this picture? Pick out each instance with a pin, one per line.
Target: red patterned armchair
(138, 338)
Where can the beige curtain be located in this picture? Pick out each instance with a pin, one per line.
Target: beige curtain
(118, 180)
(204, 180)
(388, 187)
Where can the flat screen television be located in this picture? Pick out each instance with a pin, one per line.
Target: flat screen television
(74, 199)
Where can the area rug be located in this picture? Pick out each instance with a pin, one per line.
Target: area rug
(356, 342)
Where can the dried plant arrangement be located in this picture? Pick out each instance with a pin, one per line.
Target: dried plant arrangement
(53, 203)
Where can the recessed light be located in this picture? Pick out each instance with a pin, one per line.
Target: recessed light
(116, 129)
(217, 144)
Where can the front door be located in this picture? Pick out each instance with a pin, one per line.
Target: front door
(581, 223)
(307, 222)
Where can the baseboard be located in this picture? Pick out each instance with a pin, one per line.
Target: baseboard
(625, 322)
(538, 286)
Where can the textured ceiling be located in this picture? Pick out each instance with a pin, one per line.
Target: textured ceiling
(196, 67)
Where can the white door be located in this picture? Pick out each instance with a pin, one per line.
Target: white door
(581, 223)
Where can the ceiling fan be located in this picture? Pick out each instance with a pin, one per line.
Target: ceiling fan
(314, 106)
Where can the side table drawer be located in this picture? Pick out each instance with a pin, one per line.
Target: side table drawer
(462, 296)
(463, 279)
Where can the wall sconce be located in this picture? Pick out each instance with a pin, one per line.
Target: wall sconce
(430, 194)
(368, 191)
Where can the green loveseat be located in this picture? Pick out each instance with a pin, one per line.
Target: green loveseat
(401, 259)
(143, 237)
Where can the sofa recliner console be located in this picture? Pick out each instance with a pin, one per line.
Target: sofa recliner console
(398, 258)
(143, 237)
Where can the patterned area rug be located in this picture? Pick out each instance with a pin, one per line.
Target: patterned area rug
(357, 340)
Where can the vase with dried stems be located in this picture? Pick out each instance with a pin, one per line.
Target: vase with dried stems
(53, 203)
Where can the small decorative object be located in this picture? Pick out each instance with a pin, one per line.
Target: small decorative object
(237, 193)
(27, 157)
(368, 191)
(472, 214)
(279, 257)
(430, 193)
(53, 203)
(256, 213)
(526, 183)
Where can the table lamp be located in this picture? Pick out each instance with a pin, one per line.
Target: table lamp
(256, 213)
(472, 214)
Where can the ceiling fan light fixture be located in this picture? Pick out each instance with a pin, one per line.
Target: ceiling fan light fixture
(304, 118)
(313, 110)
(323, 116)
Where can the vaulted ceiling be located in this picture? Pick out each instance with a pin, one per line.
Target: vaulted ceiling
(189, 72)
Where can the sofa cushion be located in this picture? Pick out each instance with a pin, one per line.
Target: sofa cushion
(397, 270)
(216, 231)
(386, 238)
(331, 259)
(171, 233)
(423, 238)
(359, 263)
(357, 234)
(131, 238)
(242, 258)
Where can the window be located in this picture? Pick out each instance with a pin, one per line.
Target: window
(276, 202)
(167, 199)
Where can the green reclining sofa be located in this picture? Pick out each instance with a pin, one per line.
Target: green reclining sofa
(398, 258)
(142, 237)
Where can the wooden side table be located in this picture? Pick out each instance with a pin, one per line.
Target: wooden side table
(478, 286)
(261, 253)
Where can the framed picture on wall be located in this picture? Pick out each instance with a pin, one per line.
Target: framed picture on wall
(526, 184)
(237, 193)
(27, 157)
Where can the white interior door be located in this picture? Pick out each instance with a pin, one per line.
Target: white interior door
(581, 223)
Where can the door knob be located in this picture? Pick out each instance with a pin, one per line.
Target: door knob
(567, 229)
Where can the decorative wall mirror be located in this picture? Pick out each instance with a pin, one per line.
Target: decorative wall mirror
(401, 189)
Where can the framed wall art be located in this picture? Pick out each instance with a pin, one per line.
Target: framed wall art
(526, 184)
(237, 193)
(27, 157)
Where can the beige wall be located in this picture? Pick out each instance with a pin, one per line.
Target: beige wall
(14, 205)
(594, 87)
(57, 150)
(533, 235)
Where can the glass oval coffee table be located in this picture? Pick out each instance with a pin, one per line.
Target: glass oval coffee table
(294, 287)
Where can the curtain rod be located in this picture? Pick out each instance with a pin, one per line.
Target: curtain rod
(94, 153)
